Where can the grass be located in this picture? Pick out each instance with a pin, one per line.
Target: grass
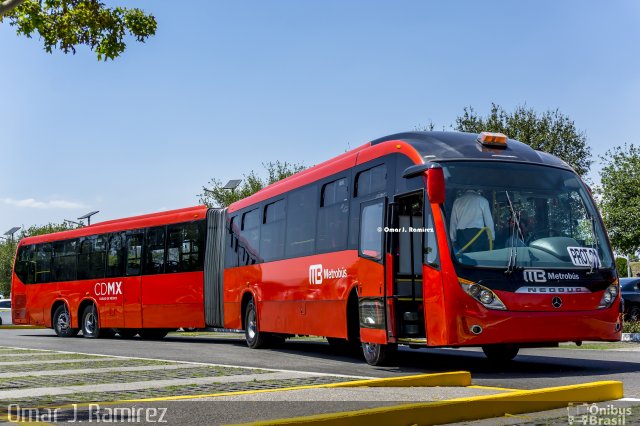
(631, 327)
(98, 363)
(46, 357)
(599, 345)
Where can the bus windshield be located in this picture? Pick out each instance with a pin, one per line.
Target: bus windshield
(512, 215)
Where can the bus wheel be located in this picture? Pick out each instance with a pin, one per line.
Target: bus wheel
(153, 333)
(500, 353)
(127, 333)
(252, 334)
(633, 314)
(90, 323)
(62, 323)
(377, 354)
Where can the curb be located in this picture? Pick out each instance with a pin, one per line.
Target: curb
(455, 378)
(466, 409)
(630, 337)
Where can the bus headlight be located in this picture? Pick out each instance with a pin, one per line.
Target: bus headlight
(486, 297)
(609, 296)
(482, 294)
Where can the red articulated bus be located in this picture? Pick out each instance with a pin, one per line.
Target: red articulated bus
(427, 239)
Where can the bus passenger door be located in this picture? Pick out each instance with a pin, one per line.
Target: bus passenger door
(407, 254)
(371, 271)
(132, 283)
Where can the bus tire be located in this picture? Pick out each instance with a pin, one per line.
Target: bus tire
(500, 353)
(377, 354)
(90, 323)
(127, 333)
(62, 323)
(153, 333)
(254, 337)
(633, 314)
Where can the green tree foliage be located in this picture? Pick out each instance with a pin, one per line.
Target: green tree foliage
(619, 194)
(8, 250)
(214, 195)
(66, 24)
(621, 266)
(550, 131)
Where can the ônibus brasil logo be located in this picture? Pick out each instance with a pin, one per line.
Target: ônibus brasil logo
(317, 274)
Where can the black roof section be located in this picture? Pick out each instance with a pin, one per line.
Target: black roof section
(444, 146)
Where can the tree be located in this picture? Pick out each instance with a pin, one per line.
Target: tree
(621, 267)
(66, 24)
(619, 194)
(8, 250)
(550, 131)
(216, 196)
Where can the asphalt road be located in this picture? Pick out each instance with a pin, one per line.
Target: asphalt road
(533, 368)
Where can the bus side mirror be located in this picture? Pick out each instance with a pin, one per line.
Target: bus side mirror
(435, 185)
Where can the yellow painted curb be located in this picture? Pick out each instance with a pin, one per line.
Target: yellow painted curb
(20, 327)
(466, 409)
(455, 378)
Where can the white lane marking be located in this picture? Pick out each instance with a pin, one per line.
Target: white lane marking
(40, 373)
(629, 399)
(311, 373)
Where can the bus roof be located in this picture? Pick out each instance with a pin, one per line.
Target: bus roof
(443, 146)
(133, 222)
(423, 147)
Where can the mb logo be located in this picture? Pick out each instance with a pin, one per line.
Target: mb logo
(315, 274)
(535, 276)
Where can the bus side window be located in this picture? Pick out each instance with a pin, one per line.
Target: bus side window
(431, 257)
(231, 252)
(154, 251)
(301, 222)
(184, 247)
(371, 230)
(250, 234)
(43, 263)
(116, 256)
(134, 253)
(25, 266)
(272, 233)
(92, 257)
(333, 216)
(372, 180)
(64, 260)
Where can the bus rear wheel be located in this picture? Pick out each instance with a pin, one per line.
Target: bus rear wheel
(153, 333)
(62, 323)
(500, 353)
(377, 354)
(255, 338)
(90, 323)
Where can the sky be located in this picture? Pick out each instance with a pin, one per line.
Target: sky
(226, 86)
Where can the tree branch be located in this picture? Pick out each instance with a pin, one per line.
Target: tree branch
(7, 6)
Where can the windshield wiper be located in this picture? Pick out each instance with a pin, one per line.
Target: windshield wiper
(513, 251)
(596, 246)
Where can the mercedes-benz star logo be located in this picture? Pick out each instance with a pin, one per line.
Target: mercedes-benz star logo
(556, 302)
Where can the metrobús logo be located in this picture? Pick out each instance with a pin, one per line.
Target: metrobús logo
(108, 291)
(317, 274)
